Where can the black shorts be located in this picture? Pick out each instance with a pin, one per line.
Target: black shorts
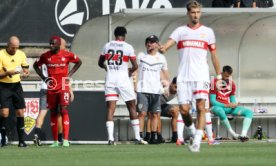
(165, 108)
(11, 93)
(148, 102)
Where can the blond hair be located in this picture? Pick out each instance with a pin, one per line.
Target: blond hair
(192, 4)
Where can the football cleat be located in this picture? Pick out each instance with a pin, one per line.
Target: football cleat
(55, 144)
(193, 147)
(37, 140)
(243, 138)
(141, 142)
(65, 143)
(110, 142)
(213, 142)
(179, 142)
(22, 144)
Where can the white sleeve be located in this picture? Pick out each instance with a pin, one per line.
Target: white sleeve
(139, 56)
(212, 38)
(165, 65)
(175, 35)
(131, 52)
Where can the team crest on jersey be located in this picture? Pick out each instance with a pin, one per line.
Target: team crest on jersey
(202, 35)
(30, 114)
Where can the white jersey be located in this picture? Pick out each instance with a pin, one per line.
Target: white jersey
(117, 55)
(45, 73)
(150, 67)
(192, 45)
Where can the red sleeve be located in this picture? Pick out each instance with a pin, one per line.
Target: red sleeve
(213, 89)
(233, 88)
(73, 58)
(41, 60)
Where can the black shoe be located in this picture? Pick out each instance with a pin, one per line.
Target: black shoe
(37, 141)
(147, 138)
(3, 142)
(161, 139)
(173, 140)
(22, 145)
(110, 142)
(243, 138)
(154, 141)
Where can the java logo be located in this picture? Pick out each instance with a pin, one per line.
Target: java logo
(70, 15)
(30, 114)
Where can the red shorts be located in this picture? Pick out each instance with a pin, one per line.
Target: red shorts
(61, 98)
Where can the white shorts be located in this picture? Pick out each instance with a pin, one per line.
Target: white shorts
(126, 92)
(207, 104)
(187, 92)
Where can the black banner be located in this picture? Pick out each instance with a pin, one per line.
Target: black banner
(35, 21)
(87, 118)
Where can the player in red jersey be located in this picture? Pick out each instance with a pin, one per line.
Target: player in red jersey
(223, 100)
(57, 62)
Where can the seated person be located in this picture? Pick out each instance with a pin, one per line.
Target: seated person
(223, 101)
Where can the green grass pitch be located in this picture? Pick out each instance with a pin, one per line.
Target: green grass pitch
(236, 154)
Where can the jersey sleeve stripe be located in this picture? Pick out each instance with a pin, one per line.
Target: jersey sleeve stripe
(200, 91)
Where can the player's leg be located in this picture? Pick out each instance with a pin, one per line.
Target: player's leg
(19, 105)
(154, 109)
(159, 130)
(64, 101)
(60, 128)
(41, 116)
(134, 120)
(3, 125)
(174, 112)
(221, 113)
(148, 128)
(200, 121)
(247, 114)
(142, 109)
(52, 102)
(200, 92)
(111, 106)
(184, 96)
(180, 130)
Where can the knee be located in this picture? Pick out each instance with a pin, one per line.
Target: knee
(248, 113)
(174, 112)
(219, 111)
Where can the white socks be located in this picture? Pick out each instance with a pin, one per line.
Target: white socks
(208, 126)
(110, 130)
(136, 128)
(180, 127)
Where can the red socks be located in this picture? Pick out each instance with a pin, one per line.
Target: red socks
(54, 125)
(65, 124)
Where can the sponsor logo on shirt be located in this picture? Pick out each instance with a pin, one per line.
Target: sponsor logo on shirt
(192, 43)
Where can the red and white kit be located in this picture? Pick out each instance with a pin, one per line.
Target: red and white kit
(117, 54)
(193, 70)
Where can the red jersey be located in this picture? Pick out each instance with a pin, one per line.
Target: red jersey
(223, 91)
(58, 67)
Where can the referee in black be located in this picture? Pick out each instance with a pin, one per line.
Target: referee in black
(13, 63)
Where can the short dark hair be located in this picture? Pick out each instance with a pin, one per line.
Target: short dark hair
(120, 31)
(192, 4)
(227, 69)
(174, 80)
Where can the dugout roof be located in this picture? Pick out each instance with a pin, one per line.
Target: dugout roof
(246, 40)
